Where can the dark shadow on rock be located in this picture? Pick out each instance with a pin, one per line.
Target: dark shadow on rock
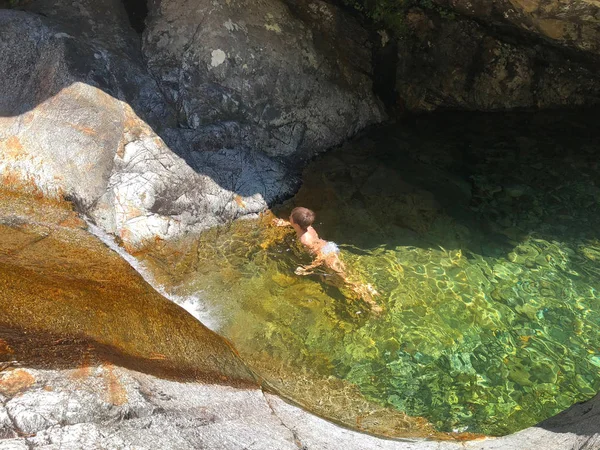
(48, 351)
(581, 419)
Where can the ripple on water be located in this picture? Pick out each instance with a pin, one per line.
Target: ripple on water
(491, 316)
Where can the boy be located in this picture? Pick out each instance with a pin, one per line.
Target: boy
(326, 253)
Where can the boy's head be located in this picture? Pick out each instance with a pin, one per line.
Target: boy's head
(303, 217)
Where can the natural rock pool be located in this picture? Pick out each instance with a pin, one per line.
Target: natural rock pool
(480, 234)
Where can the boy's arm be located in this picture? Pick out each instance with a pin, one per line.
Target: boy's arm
(304, 270)
(281, 223)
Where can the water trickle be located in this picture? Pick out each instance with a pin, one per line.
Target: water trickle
(193, 303)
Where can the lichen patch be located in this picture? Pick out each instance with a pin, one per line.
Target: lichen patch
(218, 57)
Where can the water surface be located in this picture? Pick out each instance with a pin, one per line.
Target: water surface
(479, 233)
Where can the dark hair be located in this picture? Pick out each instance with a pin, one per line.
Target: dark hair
(303, 217)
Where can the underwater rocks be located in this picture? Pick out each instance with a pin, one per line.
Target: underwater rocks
(459, 64)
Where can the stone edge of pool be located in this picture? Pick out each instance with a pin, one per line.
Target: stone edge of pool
(111, 407)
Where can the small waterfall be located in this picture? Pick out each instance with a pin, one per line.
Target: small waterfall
(193, 304)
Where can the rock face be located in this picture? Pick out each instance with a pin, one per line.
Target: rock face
(62, 384)
(457, 63)
(289, 80)
(66, 297)
(80, 115)
(65, 409)
(573, 24)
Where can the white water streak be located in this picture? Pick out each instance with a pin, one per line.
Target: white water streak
(191, 303)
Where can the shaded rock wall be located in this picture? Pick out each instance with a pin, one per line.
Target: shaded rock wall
(290, 81)
(460, 64)
(572, 24)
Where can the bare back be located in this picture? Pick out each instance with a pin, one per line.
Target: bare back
(311, 240)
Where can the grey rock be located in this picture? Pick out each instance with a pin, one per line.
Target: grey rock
(157, 413)
(14, 444)
(67, 128)
(571, 24)
(61, 107)
(81, 117)
(7, 429)
(102, 22)
(294, 77)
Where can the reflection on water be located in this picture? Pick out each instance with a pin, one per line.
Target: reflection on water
(480, 234)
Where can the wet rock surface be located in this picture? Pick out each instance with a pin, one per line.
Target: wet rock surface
(66, 298)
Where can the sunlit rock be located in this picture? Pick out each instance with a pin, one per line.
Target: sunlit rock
(75, 121)
(65, 297)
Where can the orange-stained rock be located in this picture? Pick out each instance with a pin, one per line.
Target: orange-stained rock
(16, 381)
(61, 288)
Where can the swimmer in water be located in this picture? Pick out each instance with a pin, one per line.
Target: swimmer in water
(326, 254)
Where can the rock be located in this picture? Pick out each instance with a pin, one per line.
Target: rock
(7, 430)
(80, 116)
(288, 78)
(568, 23)
(65, 114)
(102, 22)
(66, 297)
(458, 64)
(173, 415)
(14, 444)
(515, 190)
(67, 129)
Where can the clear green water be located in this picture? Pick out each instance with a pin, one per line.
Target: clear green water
(480, 234)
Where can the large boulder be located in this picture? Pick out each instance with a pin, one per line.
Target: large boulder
(290, 79)
(67, 117)
(457, 63)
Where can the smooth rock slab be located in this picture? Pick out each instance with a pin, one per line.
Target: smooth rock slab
(157, 413)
